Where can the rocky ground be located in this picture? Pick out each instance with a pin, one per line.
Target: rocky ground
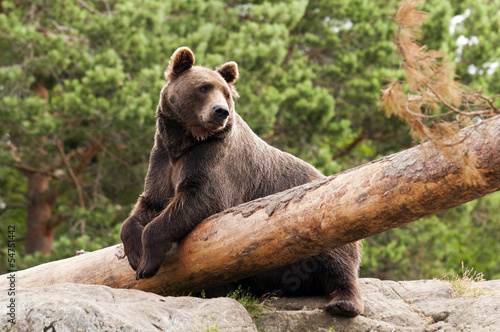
(425, 305)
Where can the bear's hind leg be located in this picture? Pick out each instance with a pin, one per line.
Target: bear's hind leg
(340, 281)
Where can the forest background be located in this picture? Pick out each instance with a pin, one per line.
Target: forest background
(80, 80)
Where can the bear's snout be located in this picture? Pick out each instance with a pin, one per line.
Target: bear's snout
(220, 113)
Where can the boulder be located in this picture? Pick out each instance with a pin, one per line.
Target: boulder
(414, 306)
(424, 305)
(73, 307)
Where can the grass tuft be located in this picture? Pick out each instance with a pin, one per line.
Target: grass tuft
(250, 302)
(469, 284)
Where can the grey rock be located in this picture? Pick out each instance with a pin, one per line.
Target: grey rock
(413, 306)
(72, 307)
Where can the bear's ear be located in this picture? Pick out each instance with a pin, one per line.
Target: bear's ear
(181, 60)
(229, 71)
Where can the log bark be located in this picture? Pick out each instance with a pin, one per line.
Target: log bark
(303, 221)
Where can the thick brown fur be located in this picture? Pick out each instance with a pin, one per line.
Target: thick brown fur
(206, 159)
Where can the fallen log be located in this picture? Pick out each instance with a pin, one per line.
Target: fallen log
(303, 221)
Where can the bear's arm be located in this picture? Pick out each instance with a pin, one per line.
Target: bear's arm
(195, 200)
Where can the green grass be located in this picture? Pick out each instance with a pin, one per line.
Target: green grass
(253, 305)
(213, 329)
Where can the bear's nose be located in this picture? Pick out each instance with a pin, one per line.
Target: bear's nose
(220, 112)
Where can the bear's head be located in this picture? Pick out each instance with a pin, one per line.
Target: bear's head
(198, 98)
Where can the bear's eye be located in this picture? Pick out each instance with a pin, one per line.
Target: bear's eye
(205, 88)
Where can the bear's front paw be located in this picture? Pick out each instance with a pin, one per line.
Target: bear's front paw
(149, 266)
(131, 236)
(134, 257)
(133, 249)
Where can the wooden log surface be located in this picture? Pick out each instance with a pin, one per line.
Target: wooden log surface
(300, 222)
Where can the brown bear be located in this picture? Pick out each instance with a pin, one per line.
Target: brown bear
(206, 159)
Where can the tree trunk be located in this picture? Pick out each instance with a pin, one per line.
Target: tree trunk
(303, 221)
(39, 229)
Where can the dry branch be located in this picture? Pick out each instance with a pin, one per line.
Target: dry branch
(435, 94)
(303, 221)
